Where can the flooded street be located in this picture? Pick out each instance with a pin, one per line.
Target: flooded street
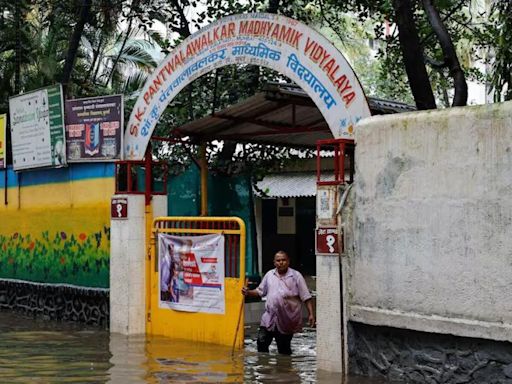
(39, 351)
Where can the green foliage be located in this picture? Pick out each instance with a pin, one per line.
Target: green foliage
(495, 38)
(120, 46)
(385, 75)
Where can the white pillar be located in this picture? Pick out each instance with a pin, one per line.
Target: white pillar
(329, 341)
(330, 328)
(127, 265)
(127, 268)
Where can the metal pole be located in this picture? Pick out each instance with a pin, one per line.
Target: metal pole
(204, 179)
(149, 176)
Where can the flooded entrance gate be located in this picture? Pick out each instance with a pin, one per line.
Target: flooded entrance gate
(35, 350)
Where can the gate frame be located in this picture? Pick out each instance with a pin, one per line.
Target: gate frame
(212, 327)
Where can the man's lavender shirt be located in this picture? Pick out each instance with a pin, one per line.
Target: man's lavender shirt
(285, 295)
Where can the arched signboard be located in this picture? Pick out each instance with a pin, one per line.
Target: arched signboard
(277, 42)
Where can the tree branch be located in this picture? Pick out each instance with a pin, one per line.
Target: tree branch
(125, 40)
(74, 43)
(438, 65)
(450, 55)
(412, 54)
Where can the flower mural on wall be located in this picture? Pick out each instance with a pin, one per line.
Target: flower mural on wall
(59, 258)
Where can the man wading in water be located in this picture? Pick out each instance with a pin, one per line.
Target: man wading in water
(286, 290)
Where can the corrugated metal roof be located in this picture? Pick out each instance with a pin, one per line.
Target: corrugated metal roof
(293, 184)
(282, 114)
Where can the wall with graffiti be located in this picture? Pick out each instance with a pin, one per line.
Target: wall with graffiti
(55, 225)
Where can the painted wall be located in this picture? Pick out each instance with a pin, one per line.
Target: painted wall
(430, 247)
(55, 227)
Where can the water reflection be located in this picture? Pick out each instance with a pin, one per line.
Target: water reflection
(38, 351)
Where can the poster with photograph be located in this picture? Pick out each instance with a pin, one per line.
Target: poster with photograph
(37, 129)
(94, 128)
(191, 273)
(3, 141)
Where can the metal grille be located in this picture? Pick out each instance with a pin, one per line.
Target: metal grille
(233, 229)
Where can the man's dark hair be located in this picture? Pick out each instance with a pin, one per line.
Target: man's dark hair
(282, 253)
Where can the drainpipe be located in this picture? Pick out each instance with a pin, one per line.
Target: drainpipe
(343, 312)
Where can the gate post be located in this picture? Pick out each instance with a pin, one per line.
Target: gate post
(331, 281)
(132, 210)
(129, 241)
(127, 265)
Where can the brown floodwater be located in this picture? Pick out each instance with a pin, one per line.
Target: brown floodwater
(40, 351)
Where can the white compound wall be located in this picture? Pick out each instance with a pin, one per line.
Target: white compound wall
(432, 226)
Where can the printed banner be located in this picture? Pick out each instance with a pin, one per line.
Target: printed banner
(273, 41)
(94, 128)
(37, 129)
(191, 273)
(3, 141)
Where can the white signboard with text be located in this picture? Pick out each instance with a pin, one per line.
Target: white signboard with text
(37, 129)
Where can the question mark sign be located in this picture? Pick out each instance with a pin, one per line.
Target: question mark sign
(119, 208)
(330, 242)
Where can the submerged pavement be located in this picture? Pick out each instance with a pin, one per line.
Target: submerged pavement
(40, 351)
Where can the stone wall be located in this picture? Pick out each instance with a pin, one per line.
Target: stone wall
(56, 302)
(420, 357)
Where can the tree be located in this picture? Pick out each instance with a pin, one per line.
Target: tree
(451, 60)
(412, 54)
(74, 41)
(409, 32)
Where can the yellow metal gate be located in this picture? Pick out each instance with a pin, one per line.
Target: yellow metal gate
(226, 329)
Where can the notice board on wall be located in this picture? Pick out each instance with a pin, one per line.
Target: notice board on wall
(37, 129)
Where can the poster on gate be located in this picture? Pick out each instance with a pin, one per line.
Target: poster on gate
(191, 273)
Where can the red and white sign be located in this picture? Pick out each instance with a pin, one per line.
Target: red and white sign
(119, 208)
(191, 273)
(268, 40)
(326, 240)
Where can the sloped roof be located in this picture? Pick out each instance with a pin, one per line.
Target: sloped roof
(292, 184)
(282, 114)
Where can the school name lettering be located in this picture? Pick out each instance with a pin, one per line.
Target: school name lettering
(181, 60)
(253, 28)
(271, 30)
(327, 63)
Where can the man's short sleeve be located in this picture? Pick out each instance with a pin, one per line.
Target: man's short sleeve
(303, 288)
(263, 287)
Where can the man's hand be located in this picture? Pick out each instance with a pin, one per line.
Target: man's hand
(245, 291)
(311, 316)
(311, 320)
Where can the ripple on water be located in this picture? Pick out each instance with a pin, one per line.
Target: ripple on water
(38, 351)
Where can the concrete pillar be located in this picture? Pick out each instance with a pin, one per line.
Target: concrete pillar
(127, 265)
(127, 269)
(329, 324)
(329, 341)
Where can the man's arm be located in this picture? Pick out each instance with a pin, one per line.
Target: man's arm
(257, 292)
(311, 315)
(250, 292)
